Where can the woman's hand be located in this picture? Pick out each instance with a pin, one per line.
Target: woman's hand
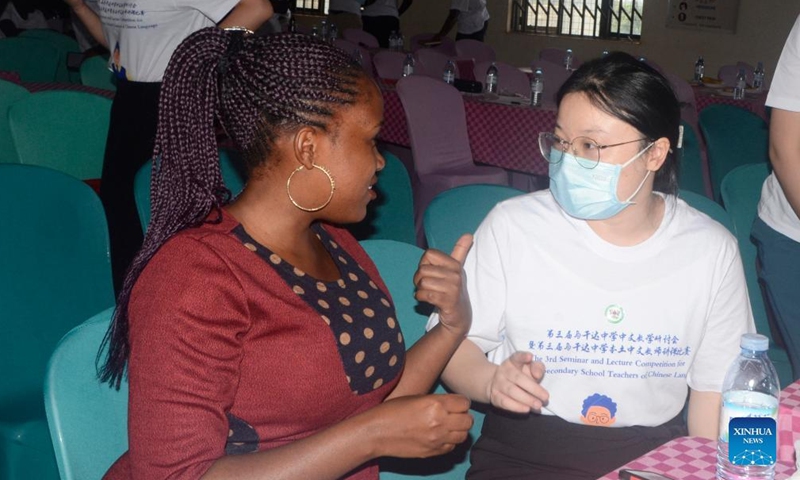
(515, 385)
(421, 426)
(440, 281)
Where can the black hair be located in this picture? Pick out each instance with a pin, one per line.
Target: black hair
(640, 96)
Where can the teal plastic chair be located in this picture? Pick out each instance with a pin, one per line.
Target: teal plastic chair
(397, 262)
(741, 192)
(391, 215)
(65, 46)
(708, 206)
(461, 210)
(94, 72)
(55, 273)
(88, 420)
(733, 137)
(691, 177)
(33, 59)
(233, 175)
(63, 130)
(10, 93)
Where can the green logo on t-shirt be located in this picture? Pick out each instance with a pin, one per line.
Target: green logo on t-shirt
(614, 314)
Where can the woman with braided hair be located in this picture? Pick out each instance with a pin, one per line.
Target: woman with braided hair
(255, 325)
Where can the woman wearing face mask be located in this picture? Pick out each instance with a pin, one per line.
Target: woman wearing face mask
(601, 303)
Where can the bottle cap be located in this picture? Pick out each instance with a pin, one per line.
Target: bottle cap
(755, 342)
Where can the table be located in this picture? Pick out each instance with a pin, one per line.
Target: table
(753, 102)
(34, 87)
(501, 135)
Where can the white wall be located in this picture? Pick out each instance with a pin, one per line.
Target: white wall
(762, 29)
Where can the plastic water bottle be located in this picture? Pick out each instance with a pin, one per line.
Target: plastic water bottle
(401, 42)
(699, 69)
(568, 59)
(449, 75)
(292, 25)
(537, 87)
(358, 56)
(758, 76)
(605, 52)
(741, 84)
(393, 40)
(490, 85)
(408, 65)
(747, 447)
(334, 32)
(314, 32)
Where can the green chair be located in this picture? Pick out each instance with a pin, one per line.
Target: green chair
(397, 262)
(461, 210)
(64, 130)
(64, 44)
(56, 272)
(691, 175)
(391, 215)
(733, 137)
(707, 206)
(741, 192)
(233, 175)
(33, 59)
(88, 420)
(95, 73)
(9, 94)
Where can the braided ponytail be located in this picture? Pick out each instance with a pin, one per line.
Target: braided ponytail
(256, 88)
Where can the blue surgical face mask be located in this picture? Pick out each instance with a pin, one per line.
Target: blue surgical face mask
(589, 194)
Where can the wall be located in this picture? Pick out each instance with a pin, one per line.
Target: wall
(761, 32)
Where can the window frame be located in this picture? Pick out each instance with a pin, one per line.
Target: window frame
(307, 7)
(562, 16)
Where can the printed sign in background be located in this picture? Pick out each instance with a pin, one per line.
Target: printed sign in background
(706, 15)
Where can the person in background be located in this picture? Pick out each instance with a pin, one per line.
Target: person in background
(628, 296)
(472, 18)
(345, 14)
(776, 229)
(382, 17)
(146, 37)
(258, 336)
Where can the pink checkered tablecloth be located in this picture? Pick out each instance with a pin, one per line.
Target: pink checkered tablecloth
(687, 458)
(788, 422)
(34, 87)
(753, 102)
(499, 134)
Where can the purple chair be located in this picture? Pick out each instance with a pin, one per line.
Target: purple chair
(389, 64)
(437, 127)
(480, 51)
(556, 56)
(728, 74)
(510, 79)
(432, 63)
(447, 47)
(554, 76)
(685, 94)
(351, 48)
(360, 37)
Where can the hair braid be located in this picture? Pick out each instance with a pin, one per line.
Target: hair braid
(256, 87)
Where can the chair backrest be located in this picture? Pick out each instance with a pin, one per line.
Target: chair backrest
(9, 93)
(233, 174)
(397, 262)
(352, 49)
(56, 272)
(33, 59)
(95, 73)
(391, 216)
(360, 37)
(65, 45)
(510, 79)
(707, 206)
(556, 55)
(733, 137)
(432, 62)
(729, 73)
(389, 64)
(461, 210)
(446, 47)
(88, 420)
(437, 123)
(480, 51)
(691, 176)
(685, 94)
(64, 130)
(554, 76)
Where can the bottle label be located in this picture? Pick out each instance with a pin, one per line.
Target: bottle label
(749, 425)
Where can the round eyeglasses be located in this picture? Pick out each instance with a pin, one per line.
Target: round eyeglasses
(585, 150)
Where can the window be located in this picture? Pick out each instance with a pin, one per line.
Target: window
(318, 7)
(579, 18)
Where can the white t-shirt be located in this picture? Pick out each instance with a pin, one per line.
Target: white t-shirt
(349, 6)
(635, 325)
(381, 8)
(473, 15)
(774, 209)
(142, 34)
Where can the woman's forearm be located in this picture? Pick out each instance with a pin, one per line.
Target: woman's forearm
(91, 21)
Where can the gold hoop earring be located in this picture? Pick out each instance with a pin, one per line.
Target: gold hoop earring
(330, 196)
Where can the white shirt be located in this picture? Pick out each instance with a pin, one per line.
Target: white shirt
(473, 15)
(381, 8)
(637, 324)
(145, 33)
(774, 209)
(349, 6)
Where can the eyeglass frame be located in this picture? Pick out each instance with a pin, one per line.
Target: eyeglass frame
(563, 142)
